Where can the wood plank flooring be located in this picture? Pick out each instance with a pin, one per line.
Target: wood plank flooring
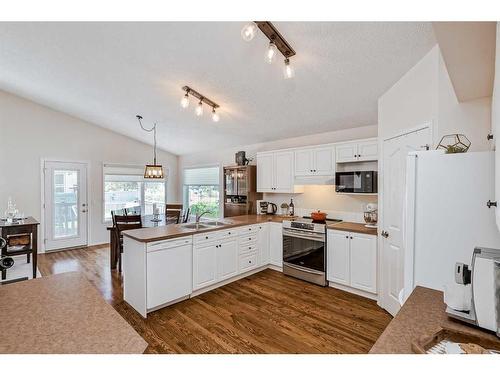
(263, 313)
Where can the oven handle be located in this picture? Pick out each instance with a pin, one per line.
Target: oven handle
(303, 269)
(291, 233)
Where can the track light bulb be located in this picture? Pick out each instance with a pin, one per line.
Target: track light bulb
(271, 53)
(248, 31)
(185, 101)
(199, 109)
(215, 116)
(288, 71)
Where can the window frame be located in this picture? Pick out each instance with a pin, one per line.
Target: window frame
(183, 185)
(142, 182)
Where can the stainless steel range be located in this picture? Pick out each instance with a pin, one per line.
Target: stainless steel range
(304, 249)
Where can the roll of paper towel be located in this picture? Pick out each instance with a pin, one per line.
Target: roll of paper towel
(458, 297)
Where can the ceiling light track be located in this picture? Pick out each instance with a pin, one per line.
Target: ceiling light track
(201, 99)
(274, 36)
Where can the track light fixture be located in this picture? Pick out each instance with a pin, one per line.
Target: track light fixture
(202, 100)
(276, 43)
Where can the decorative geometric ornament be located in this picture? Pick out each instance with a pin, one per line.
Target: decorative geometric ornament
(454, 143)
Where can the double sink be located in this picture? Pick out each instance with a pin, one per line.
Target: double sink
(206, 225)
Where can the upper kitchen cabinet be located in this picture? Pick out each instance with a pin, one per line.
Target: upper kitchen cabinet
(275, 172)
(357, 151)
(317, 161)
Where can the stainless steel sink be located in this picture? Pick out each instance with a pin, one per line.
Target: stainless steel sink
(215, 223)
(196, 226)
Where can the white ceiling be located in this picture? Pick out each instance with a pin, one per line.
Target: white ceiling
(106, 73)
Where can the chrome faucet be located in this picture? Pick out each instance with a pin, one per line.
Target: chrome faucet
(198, 216)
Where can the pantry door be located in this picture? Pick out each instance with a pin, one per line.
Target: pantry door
(391, 270)
(65, 205)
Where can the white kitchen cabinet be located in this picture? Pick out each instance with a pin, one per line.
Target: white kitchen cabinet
(352, 260)
(276, 244)
(357, 151)
(338, 257)
(265, 172)
(204, 265)
(315, 161)
(363, 261)
(165, 264)
(275, 172)
(263, 244)
(227, 259)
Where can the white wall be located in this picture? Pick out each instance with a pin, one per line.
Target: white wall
(30, 132)
(425, 93)
(314, 197)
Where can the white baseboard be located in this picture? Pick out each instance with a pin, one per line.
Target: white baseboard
(345, 288)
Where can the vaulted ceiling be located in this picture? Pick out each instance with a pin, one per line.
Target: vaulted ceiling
(106, 73)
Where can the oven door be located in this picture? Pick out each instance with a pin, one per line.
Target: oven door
(304, 255)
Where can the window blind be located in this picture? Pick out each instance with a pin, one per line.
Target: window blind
(201, 176)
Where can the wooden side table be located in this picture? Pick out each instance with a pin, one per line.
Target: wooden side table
(28, 227)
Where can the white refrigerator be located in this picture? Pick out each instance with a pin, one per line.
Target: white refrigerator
(446, 214)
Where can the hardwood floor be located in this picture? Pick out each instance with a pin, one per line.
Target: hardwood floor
(263, 313)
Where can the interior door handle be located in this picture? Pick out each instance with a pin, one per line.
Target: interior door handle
(385, 234)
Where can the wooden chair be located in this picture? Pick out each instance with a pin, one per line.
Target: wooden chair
(121, 223)
(185, 217)
(173, 212)
(136, 210)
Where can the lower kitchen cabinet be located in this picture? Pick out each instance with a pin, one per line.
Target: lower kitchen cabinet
(263, 244)
(352, 260)
(204, 265)
(276, 244)
(227, 259)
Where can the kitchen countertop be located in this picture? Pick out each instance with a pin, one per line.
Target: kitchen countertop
(353, 227)
(421, 315)
(62, 313)
(178, 230)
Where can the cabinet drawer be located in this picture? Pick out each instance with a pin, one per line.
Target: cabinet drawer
(213, 236)
(247, 230)
(248, 248)
(248, 238)
(248, 262)
(167, 244)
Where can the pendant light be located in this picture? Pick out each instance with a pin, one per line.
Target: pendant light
(248, 31)
(271, 53)
(288, 71)
(154, 171)
(185, 101)
(215, 115)
(199, 109)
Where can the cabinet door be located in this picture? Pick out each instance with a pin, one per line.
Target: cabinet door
(364, 262)
(263, 244)
(324, 164)
(337, 257)
(265, 167)
(346, 153)
(304, 163)
(276, 244)
(283, 172)
(204, 266)
(227, 259)
(163, 266)
(368, 150)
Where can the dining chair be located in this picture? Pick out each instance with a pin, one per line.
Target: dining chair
(121, 223)
(173, 212)
(185, 217)
(136, 210)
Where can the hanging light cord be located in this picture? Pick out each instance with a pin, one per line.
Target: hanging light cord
(153, 129)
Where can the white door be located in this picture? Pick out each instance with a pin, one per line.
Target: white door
(283, 172)
(227, 259)
(65, 205)
(337, 257)
(265, 166)
(363, 262)
(204, 266)
(324, 164)
(395, 151)
(346, 153)
(303, 162)
(368, 150)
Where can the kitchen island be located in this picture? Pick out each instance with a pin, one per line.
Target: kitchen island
(165, 265)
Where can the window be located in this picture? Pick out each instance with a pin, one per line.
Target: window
(201, 190)
(125, 187)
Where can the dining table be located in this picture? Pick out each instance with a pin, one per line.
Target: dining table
(148, 221)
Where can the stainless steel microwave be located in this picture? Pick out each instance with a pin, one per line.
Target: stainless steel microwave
(364, 182)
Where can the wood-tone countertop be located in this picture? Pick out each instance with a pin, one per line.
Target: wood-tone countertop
(62, 313)
(421, 315)
(179, 230)
(353, 227)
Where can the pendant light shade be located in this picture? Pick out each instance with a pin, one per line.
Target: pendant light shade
(153, 171)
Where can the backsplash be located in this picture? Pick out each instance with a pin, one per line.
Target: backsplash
(323, 197)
